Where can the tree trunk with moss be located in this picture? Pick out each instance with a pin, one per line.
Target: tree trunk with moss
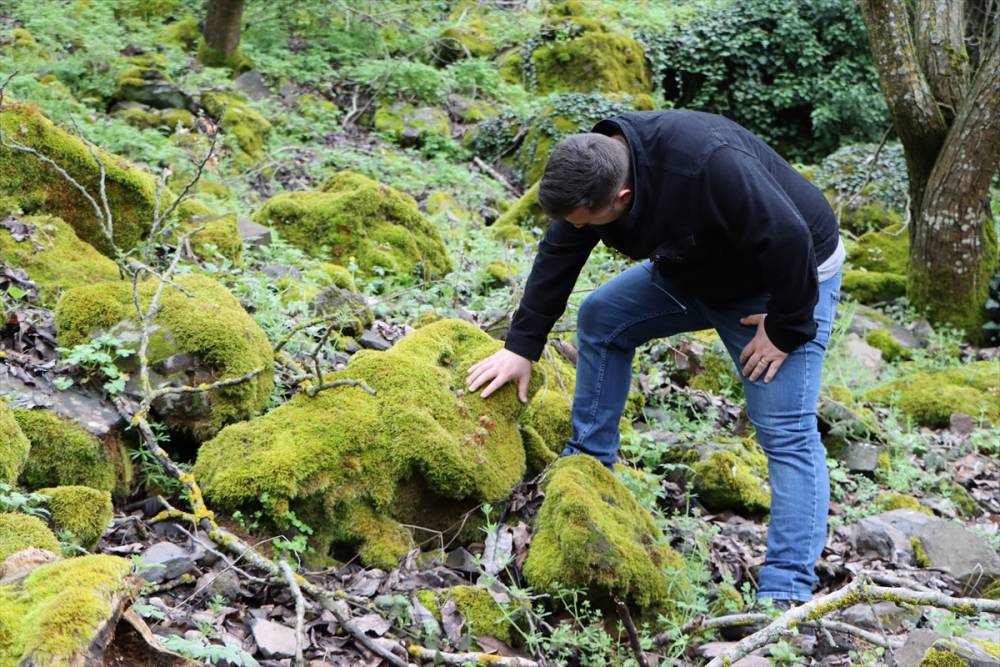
(222, 33)
(939, 67)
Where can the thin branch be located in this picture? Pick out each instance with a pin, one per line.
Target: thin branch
(633, 634)
(445, 658)
(300, 612)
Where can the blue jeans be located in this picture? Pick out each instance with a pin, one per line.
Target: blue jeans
(639, 305)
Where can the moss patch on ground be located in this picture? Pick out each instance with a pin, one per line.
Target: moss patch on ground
(873, 286)
(65, 453)
(211, 325)
(218, 236)
(592, 532)
(338, 459)
(80, 510)
(54, 257)
(354, 216)
(483, 615)
(50, 617)
(931, 398)
(16, 446)
(39, 188)
(245, 129)
(20, 531)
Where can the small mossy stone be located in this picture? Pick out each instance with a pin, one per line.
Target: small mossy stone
(183, 32)
(596, 61)
(483, 615)
(54, 257)
(732, 475)
(591, 532)
(891, 349)
(240, 122)
(887, 502)
(525, 213)
(80, 510)
(337, 459)
(16, 446)
(131, 192)
(51, 617)
(355, 217)
(20, 531)
(411, 125)
(873, 286)
(210, 324)
(930, 398)
(885, 251)
(867, 217)
(218, 235)
(65, 453)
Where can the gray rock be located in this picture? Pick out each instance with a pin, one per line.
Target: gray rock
(354, 314)
(252, 233)
(373, 341)
(860, 456)
(890, 615)
(972, 653)
(174, 562)
(278, 271)
(867, 319)
(251, 84)
(273, 639)
(225, 583)
(887, 535)
(917, 643)
(460, 559)
(868, 358)
(82, 404)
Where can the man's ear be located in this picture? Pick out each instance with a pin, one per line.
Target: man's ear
(624, 196)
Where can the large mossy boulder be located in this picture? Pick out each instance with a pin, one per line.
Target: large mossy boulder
(245, 129)
(546, 422)
(146, 82)
(15, 445)
(81, 512)
(52, 255)
(65, 453)
(353, 216)
(38, 188)
(218, 235)
(410, 125)
(339, 460)
(592, 532)
(930, 398)
(525, 213)
(63, 613)
(20, 531)
(200, 338)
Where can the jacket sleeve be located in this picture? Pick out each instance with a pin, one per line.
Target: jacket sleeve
(747, 201)
(561, 254)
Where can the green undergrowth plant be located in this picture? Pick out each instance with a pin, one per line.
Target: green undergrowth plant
(13, 500)
(96, 361)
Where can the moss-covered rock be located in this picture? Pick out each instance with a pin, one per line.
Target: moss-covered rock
(886, 502)
(15, 446)
(410, 125)
(732, 475)
(483, 615)
(81, 511)
(242, 123)
(146, 117)
(525, 213)
(219, 234)
(592, 532)
(38, 188)
(64, 453)
(468, 34)
(886, 251)
(183, 32)
(546, 422)
(145, 81)
(355, 217)
(199, 339)
(892, 350)
(20, 531)
(338, 459)
(51, 617)
(873, 286)
(54, 257)
(236, 61)
(931, 398)
(867, 216)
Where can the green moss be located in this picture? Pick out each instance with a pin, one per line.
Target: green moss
(338, 459)
(592, 532)
(20, 531)
(919, 554)
(891, 349)
(993, 648)
(50, 618)
(886, 251)
(594, 61)
(469, 34)
(183, 32)
(236, 61)
(930, 398)
(992, 591)
(868, 217)
(500, 273)
(219, 234)
(524, 213)
(354, 216)
(873, 286)
(16, 446)
(54, 257)
(482, 614)
(964, 502)
(40, 189)
(733, 475)
(410, 125)
(548, 413)
(935, 657)
(241, 122)
(210, 324)
(64, 453)
(439, 202)
(81, 510)
(899, 501)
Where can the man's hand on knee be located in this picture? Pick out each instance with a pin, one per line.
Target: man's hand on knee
(498, 369)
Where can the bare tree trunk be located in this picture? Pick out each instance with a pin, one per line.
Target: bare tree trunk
(946, 111)
(222, 31)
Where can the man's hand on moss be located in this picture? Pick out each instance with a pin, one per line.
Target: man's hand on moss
(498, 369)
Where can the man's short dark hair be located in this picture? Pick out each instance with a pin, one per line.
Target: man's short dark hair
(583, 170)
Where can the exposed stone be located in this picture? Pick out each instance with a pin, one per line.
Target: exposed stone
(460, 559)
(917, 643)
(968, 653)
(225, 583)
(253, 234)
(273, 639)
(373, 340)
(867, 357)
(860, 457)
(251, 84)
(890, 615)
(174, 560)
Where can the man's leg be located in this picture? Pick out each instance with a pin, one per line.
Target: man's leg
(634, 307)
(784, 415)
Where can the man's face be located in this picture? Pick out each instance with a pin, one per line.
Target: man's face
(584, 216)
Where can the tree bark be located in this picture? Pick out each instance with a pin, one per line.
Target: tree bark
(940, 42)
(222, 26)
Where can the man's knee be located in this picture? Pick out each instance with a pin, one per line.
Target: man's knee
(591, 319)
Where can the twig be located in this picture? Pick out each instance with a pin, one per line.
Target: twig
(445, 658)
(339, 609)
(342, 383)
(496, 175)
(186, 389)
(633, 634)
(300, 612)
(848, 629)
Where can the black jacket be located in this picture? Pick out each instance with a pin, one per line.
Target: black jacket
(718, 212)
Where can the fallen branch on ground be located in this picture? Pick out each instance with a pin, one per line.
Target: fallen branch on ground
(445, 658)
(300, 612)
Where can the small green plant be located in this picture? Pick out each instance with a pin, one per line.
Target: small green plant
(12, 500)
(201, 648)
(147, 610)
(150, 467)
(140, 566)
(95, 360)
(295, 544)
(784, 653)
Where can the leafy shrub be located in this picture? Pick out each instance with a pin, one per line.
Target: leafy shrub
(797, 73)
(852, 170)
